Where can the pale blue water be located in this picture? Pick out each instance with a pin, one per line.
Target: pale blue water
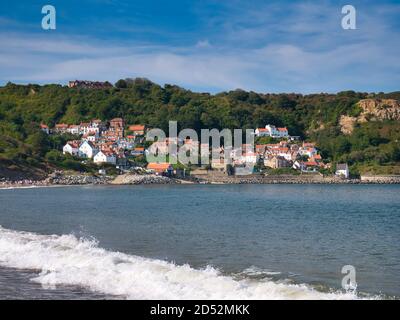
(301, 233)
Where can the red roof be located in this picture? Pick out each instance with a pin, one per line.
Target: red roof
(282, 129)
(136, 127)
(158, 166)
(61, 126)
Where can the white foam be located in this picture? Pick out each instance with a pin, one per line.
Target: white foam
(67, 260)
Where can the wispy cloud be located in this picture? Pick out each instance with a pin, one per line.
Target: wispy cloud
(266, 48)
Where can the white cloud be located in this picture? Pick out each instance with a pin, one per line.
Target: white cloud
(291, 54)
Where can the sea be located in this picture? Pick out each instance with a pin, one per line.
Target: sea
(200, 242)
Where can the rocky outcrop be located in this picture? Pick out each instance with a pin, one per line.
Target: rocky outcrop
(62, 179)
(379, 109)
(142, 179)
(347, 124)
(371, 110)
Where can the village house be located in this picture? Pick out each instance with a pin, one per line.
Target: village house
(306, 166)
(276, 162)
(160, 168)
(342, 170)
(90, 136)
(73, 129)
(308, 149)
(87, 150)
(272, 131)
(61, 128)
(84, 84)
(249, 158)
(105, 157)
(137, 129)
(262, 132)
(138, 151)
(45, 128)
(117, 127)
(72, 148)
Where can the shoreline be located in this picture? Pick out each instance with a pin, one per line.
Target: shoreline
(135, 179)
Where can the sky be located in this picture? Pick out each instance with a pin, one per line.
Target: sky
(206, 46)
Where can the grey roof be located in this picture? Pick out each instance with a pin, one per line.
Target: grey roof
(341, 166)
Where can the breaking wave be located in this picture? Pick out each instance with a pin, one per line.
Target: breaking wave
(68, 260)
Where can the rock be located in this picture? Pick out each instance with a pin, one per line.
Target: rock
(371, 110)
(143, 179)
(379, 109)
(61, 179)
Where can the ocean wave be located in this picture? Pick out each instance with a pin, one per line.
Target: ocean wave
(68, 260)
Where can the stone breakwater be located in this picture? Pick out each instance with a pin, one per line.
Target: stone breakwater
(143, 179)
(137, 179)
(293, 179)
(77, 179)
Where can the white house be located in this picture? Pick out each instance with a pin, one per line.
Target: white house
(262, 132)
(105, 157)
(308, 151)
(87, 150)
(71, 147)
(90, 136)
(73, 129)
(342, 170)
(248, 158)
(277, 132)
(272, 131)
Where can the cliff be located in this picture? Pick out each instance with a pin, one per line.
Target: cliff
(371, 110)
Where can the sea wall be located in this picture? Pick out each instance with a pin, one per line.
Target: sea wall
(388, 179)
(61, 179)
(307, 178)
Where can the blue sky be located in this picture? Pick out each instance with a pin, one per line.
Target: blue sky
(208, 45)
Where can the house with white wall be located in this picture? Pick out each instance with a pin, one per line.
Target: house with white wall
(272, 131)
(342, 170)
(87, 150)
(105, 157)
(72, 148)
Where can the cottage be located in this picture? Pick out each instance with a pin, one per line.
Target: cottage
(44, 128)
(272, 131)
(61, 128)
(105, 157)
(342, 170)
(137, 129)
(311, 166)
(262, 132)
(160, 167)
(90, 136)
(87, 150)
(73, 129)
(72, 148)
(276, 162)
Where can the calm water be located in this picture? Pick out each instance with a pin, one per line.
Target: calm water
(251, 241)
